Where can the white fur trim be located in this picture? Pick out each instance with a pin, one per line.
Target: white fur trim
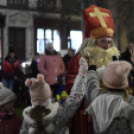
(53, 107)
(31, 130)
(50, 128)
(100, 72)
(26, 116)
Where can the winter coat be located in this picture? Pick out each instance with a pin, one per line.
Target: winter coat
(34, 68)
(66, 59)
(10, 67)
(127, 57)
(110, 112)
(56, 121)
(52, 67)
(11, 124)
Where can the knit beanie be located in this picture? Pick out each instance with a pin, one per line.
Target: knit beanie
(48, 45)
(115, 74)
(39, 90)
(11, 50)
(6, 95)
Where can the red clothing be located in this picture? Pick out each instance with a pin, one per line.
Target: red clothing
(8, 71)
(78, 124)
(10, 125)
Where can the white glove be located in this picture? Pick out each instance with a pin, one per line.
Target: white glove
(100, 72)
(83, 66)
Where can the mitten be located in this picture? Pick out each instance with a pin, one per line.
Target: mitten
(83, 66)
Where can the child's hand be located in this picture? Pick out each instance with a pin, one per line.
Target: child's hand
(83, 66)
(93, 62)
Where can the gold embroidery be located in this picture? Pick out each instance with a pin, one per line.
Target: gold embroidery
(101, 32)
(99, 15)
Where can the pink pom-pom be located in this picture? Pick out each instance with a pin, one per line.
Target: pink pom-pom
(123, 69)
(40, 77)
(28, 82)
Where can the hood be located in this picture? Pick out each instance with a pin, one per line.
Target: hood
(53, 108)
(105, 108)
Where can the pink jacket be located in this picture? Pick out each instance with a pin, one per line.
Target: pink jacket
(52, 67)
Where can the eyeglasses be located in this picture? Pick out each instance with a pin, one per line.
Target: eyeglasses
(105, 43)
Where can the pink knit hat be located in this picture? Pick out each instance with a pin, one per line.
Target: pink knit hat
(115, 74)
(39, 90)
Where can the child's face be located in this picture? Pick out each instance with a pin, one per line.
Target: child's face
(8, 107)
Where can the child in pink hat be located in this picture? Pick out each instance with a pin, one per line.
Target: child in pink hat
(112, 105)
(44, 117)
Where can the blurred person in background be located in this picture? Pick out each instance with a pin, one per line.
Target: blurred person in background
(62, 94)
(128, 56)
(68, 56)
(10, 68)
(52, 67)
(34, 65)
(10, 123)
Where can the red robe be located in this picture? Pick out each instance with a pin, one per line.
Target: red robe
(78, 124)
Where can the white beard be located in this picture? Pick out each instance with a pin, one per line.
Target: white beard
(101, 57)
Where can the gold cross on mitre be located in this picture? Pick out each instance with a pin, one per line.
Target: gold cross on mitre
(99, 15)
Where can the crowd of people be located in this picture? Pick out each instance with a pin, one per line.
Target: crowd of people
(90, 92)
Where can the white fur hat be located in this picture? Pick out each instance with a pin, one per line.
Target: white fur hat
(39, 90)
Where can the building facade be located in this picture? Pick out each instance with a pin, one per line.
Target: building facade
(28, 25)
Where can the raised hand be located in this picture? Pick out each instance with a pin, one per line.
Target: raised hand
(83, 66)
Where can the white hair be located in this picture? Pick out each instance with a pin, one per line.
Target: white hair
(48, 45)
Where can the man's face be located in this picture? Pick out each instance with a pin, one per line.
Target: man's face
(104, 42)
(51, 49)
(71, 53)
(130, 46)
(12, 55)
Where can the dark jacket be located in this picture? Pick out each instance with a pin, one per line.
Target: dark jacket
(66, 59)
(127, 57)
(34, 68)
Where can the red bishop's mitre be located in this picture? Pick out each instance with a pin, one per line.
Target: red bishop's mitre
(98, 22)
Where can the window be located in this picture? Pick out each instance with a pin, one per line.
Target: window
(46, 3)
(40, 40)
(75, 39)
(16, 3)
(47, 35)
